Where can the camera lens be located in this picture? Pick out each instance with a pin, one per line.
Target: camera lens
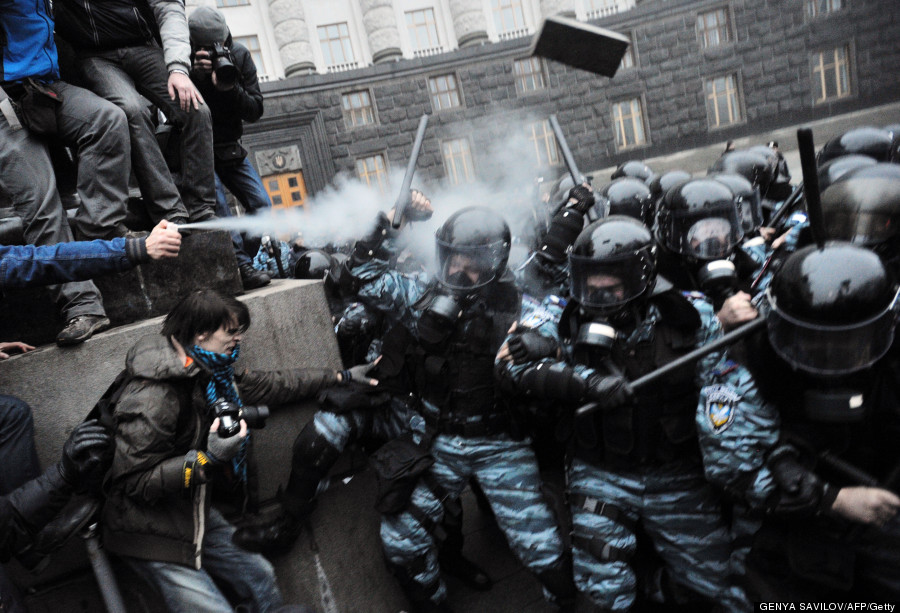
(255, 416)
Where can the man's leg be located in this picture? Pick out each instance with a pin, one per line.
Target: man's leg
(243, 181)
(17, 453)
(223, 210)
(184, 589)
(508, 473)
(27, 180)
(106, 76)
(99, 132)
(250, 575)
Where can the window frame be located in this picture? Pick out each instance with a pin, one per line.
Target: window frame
(432, 95)
(381, 175)
(702, 32)
(545, 142)
(327, 58)
(255, 53)
(819, 80)
(741, 115)
(643, 123)
(811, 8)
(414, 40)
(450, 166)
(348, 115)
(227, 4)
(521, 77)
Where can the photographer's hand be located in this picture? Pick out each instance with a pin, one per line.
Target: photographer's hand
(202, 62)
(220, 449)
(222, 87)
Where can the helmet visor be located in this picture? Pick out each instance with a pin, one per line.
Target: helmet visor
(712, 235)
(750, 206)
(465, 267)
(828, 349)
(861, 227)
(611, 282)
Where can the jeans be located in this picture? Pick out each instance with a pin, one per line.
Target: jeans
(244, 182)
(129, 77)
(185, 589)
(28, 182)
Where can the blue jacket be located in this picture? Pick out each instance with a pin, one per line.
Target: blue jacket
(27, 265)
(27, 48)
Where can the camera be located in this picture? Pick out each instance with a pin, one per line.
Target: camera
(230, 416)
(223, 66)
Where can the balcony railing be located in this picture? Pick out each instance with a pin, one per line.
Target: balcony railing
(428, 52)
(515, 34)
(611, 8)
(343, 67)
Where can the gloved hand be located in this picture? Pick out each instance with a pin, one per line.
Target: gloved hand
(583, 197)
(799, 489)
(609, 392)
(528, 346)
(220, 449)
(86, 453)
(360, 373)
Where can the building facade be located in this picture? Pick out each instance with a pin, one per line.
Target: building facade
(346, 81)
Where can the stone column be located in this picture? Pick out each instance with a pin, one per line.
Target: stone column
(564, 8)
(292, 37)
(381, 29)
(469, 22)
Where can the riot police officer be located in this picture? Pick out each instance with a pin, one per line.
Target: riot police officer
(636, 462)
(807, 431)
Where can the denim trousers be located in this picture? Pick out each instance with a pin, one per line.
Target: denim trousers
(250, 576)
(244, 182)
(129, 77)
(27, 181)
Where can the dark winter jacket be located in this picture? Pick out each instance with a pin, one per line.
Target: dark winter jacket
(104, 25)
(161, 415)
(29, 508)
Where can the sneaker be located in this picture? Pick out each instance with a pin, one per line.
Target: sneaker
(252, 278)
(80, 328)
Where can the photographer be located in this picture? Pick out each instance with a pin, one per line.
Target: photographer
(225, 74)
(169, 445)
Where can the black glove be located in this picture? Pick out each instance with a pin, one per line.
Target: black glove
(529, 346)
(609, 392)
(220, 449)
(584, 198)
(799, 489)
(86, 453)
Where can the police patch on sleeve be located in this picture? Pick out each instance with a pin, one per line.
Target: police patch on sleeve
(721, 404)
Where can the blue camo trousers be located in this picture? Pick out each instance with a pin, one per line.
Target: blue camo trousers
(507, 472)
(338, 429)
(680, 513)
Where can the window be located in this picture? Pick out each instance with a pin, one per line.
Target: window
(422, 30)
(831, 74)
(628, 57)
(226, 3)
(628, 120)
(252, 43)
(509, 17)
(357, 107)
(373, 172)
(336, 47)
(544, 141)
(529, 75)
(713, 28)
(444, 92)
(286, 190)
(458, 161)
(814, 8)
(722, 101)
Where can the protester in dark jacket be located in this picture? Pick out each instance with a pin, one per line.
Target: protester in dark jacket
(157, 514)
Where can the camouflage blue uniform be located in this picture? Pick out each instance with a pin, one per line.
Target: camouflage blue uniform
(504, 467)
(676, 507)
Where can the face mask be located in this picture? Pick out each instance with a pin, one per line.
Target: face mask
(460, 279)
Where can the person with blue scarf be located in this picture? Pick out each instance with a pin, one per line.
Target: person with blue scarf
(157, 515)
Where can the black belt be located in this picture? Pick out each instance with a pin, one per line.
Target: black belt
(487, 425)
(598, 507)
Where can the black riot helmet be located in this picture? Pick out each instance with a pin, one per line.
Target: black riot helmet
(630, 197)
(753, 166)
(635, 169)
(667, 180)
(472, 248)
(699, 220)
(831, 311)
(867, 140)
(748, 199)
(835, 168)
(863, 207)
(612, 264)
(313, 264)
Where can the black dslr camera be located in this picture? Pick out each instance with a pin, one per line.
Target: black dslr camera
(223, 66)
(230, 416)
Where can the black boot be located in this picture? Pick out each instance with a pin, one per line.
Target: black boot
(457, 565)
(275, 537)
(252, 278)
(78, 512)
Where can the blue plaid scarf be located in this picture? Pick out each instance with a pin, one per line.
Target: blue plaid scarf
(221, 385)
